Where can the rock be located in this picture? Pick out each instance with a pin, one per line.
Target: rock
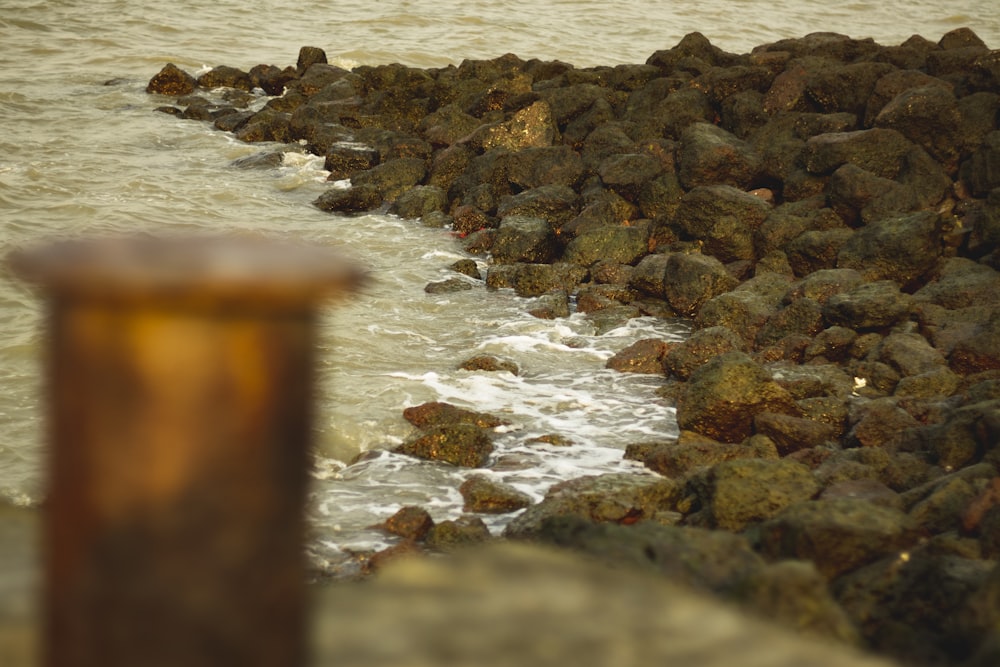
(410, 523)
(448, 286)
(171, 80)
(868, 306)
(392, 178)
(551, 305)
(981, 172)
(881, 425)
(627, 173)
(929, 117)
(524, 604)
(488, 362)
(685, 357)
(643, 356)
(801, 316)
(459, 533)
(813, 251)
(909, 354)
(419, 201)
(791, 434)
(942, 510)
(693, 451)
(622, 245)
(880, 598)
(960, 283)
(436, 413)
(901, 249)
(838, 535)
(860, 197)
(556, 204)
(743, 492)
(844, 87)
(980, 351)
(531, 280)
(225, 77)
(486, 496)
(965, 436)
(709, 155)
(722, 397)
(343, 160)
(723, 218)
(309, 56)
(545, 165)
(741, 311)
(529, 127)
(879, 151)
(353, 199)
(707, 560)
(521, 238)
(691, 280)
(458, 444)
(613, 497)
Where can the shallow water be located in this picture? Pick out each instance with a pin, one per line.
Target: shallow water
(82, 152)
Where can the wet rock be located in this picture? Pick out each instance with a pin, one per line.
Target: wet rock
(881, 597)
(693, 451)
(353, 199)
(270, 78)
(555, 203)
(909, 354)
(740, 311)
(691, 279)
(796, 595)
(489, 363)
(709, 155)
(309, 56)
(742, 492)
(878, 151)
(448, 286)
(724, 218)
(627, 173)
(459, 444)
(266, 125)
(225, 77)
(881, 424)
(860, 197)
(790, 434)
(410, 523)
(419, 201)
(959, 283)
(458, 533)
(801, 316)
(708, 560)
(485, 496)
(929, 117)
(643, 356)
(550, 305)
(436, 413)
(685, 357)
(980, 351)
(522, 238)
(901, 248)
(614, 497)
(981, 172)
(530, 280)
(392, 178)
(837, 535)
(529, 127)
(171, 80)
(722, 397)
(868, 306)
(545, 165)
(344, 159)
(622, 245)
(844, 88)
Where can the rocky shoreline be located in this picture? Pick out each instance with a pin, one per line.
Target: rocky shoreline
(824, 210)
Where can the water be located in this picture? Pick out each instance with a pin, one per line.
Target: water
(81, 151)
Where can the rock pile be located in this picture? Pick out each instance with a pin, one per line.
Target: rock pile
(825, 210)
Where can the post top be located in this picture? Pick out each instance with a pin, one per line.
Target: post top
(210, 271)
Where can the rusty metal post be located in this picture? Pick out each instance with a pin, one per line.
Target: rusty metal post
(180, 389)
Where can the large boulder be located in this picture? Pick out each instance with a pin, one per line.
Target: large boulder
(692, 279)
(522, 238)
(901, 249)
(458, 444)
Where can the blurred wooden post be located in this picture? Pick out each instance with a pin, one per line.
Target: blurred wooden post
(180, 386)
